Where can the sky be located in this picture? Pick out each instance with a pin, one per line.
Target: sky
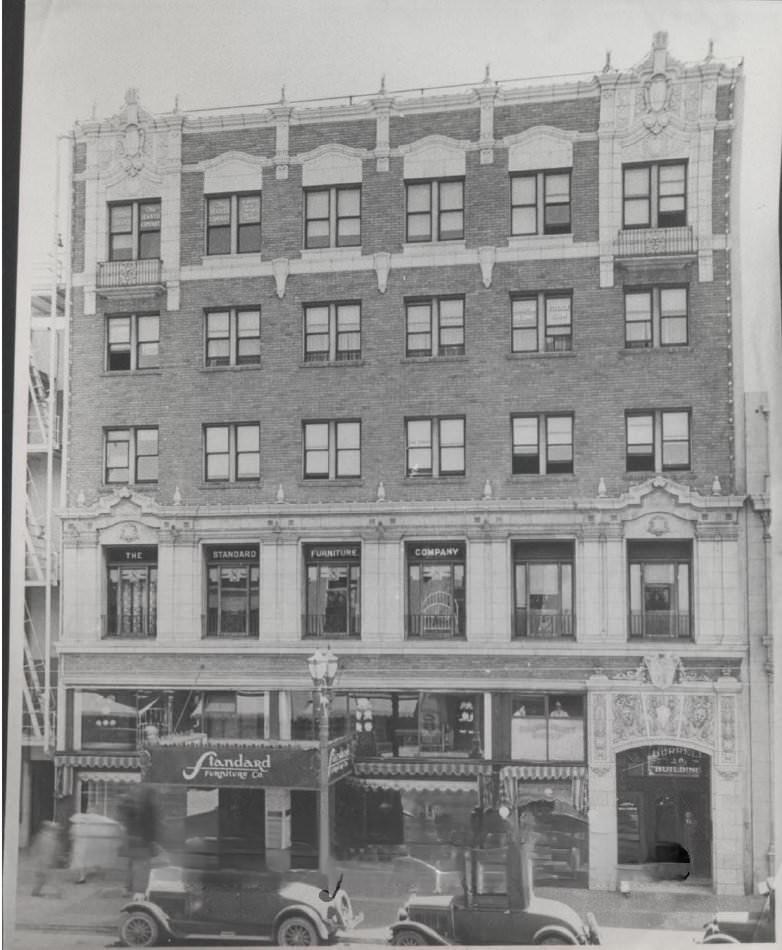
(81, 55)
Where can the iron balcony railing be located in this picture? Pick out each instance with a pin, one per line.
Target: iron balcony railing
(139, 626)
(344, 626)
(660, 625)
(649, 242)
(543, 624)
(139, 273)
(229, 625)
(435, 626)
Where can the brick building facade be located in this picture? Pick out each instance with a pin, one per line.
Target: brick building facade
(450, 383)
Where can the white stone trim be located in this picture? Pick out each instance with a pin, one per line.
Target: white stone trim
(542, 146)
(232, 172)
(435, 156)
(331, 165)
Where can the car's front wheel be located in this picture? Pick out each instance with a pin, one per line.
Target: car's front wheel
(139, 929)
(408, 938)
(297, 932)
(557, 940)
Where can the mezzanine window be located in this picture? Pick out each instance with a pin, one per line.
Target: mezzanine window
(543, 589)
(436, 589)
(333, 591)
(232, 585)
(131, 593)
(660, 594)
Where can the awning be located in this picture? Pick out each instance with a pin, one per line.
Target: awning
(99, 760)
(542, 772)
(396, 784)
(124, 777)
(457, 768)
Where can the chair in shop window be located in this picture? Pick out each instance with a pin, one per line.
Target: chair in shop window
(438, 615)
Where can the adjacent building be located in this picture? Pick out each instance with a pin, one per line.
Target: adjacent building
(451, 383)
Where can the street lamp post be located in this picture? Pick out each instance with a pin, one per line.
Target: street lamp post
(323, 665)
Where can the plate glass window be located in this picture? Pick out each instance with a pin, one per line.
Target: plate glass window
(547, 728)
(235, 715)
(436, 590)
(543, 590)
(333, 592)
(131, 604)
(660, 595)
(232, 591)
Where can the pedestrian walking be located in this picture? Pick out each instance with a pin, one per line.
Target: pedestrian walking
(45, 852)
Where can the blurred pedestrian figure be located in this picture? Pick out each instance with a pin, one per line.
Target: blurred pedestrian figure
(45, 852)
(138, 813)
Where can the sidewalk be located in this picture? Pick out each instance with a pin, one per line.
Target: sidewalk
(95, 905)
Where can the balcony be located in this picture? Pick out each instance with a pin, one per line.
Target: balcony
(435, 626)
(659, 625)
(655, 242)
(139, 275)
(543, 624)
(325, 626)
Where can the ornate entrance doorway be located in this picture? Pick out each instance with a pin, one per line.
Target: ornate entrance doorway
(664, 810)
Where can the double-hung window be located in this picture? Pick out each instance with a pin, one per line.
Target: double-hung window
(232, 452)
(436, 589)
(134, 230)
(435, 446)
(232, 590)
(233, 224)
(435, 327)
(540, 203)
(435, 210)
(332, 449)
(332, 332)
(660, 596)
(656, 316)
(655, 195)
(132, 341)
(658, 440)
(332, 217)
(233, 337)
(131, 602)
(543, 589)
(333, 593)
(542, 322)
(542, 444)
(131, 455)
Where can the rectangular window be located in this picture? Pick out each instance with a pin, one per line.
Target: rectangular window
(332, 449)
(233, 337)
(235, 715)
(528, 457)
(540, 203)
(543, 589)
(435, 210)
(656, 316)
(233, 224)
(132, 342)
(655, 195)
(660, 599)
(658, 440)
(547, 728)
(542, 322)
(232, 574)
(131, 455)
(108, 719)
(332, 332)
(134, 230)
(435, 327)
(435, 446)
(131, 607)
(332, 217)
(333, 590)
(232, 452)
(436, 589)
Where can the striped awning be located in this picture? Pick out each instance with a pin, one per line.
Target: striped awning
(123, 777)
(542, 773)
(98, 760)
(397, 784)
(397, 769)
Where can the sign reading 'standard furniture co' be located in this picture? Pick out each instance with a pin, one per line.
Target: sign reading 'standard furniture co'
(215, 765)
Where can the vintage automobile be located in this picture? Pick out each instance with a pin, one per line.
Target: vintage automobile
(495, 907)
(744, 926)
(234, 904)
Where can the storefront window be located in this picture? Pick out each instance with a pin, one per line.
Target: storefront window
(235, 715)
(304, 715)
(547, 728)
(131, 606)
(109, 719)
(435, 590)
(232, 591)
(333, 594)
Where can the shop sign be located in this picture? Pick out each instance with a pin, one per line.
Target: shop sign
(339, 758)
(146, 553)
(332, 552)
(437, 550)
(674, 761)
(232, 552)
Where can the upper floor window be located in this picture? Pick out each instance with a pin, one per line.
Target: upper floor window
(542, 445)
(233, 224)
(543, 589)
(655, 195)
(435, 446)
(540, 203)
(542, 323)
(332, 217)
(233, 337)
(333, 594)
(134, 230)
(332, 449)
(435, 327)
(656, 316)
(132, 341)
(436, 589)
(658, 440)
(131, 603)
(435, 210)
(131, 455)
(232, 452)
(660, 598)
(232, 590)
(332, 332)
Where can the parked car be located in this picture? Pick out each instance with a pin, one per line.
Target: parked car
(220, 902)
(744, 926)
(415, 876)
(486, 913)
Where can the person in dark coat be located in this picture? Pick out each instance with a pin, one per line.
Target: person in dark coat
(45, 852)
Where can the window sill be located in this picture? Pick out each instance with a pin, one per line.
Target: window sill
(220, 638)
(656, 473)
(137, 487)
(429, 479)
(230, 369)
(329, 364)
(331, 482)
(413, 247)
(244, 483)
(568, 476)
(630, 351)
(546, 354)
(324, 253)
(435, 359)
(564, 239)
(109, 373)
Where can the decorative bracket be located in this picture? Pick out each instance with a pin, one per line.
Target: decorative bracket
(280, 267)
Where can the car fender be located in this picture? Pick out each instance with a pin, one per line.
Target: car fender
(432, 936)
(553, 930)
(720, 938)
(301, 910)
(153, 910)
